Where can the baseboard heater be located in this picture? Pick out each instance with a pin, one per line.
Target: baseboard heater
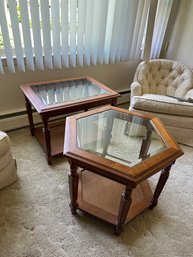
(125, 97)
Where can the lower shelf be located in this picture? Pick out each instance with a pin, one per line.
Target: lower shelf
(101, 197)
(56, 137)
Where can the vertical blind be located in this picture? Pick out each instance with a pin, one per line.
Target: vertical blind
(161, 21)
(39, 34)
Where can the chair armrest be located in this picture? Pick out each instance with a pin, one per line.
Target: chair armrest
(136, 89)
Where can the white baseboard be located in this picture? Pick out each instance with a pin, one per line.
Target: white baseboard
(125, 98)
(17, 122)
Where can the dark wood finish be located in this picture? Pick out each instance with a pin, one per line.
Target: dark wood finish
(56, 134)
(73, 185)
(46, 112)
(146, 144)
(108, 137)
(160, 185)
(110, 179)
(46, 132)
(123, 209)
(30, 116)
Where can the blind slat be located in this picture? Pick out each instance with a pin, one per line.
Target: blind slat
(26, 34)
(16, 35)
(35, 17)
(56, 33)
(64, 29)
(1, 67)
(136, 28)
(95, 31)
(158, 20)
(73, 16)
(143, 19)
(102, 29)
(130, 29)
(81, 26)
(45, 15)
(122, 29)
(88, 31)
(161, 20)
(164, 26)
(116, 28)
(6, 39)
(109, 30)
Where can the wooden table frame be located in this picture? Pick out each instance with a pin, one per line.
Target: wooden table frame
(43, 134)
(130, 177)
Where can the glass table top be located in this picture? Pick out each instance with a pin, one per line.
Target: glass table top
(66, 91)
(119, 136)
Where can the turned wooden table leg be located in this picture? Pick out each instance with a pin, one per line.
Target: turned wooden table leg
(123, 209)
(73, 185)
(114, 101)
(146, 144)
(108, 136)
(160, 185)
(46, 132)
(29, 114)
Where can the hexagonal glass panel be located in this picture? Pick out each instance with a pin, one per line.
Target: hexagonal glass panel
(66, 91)
(119, 136)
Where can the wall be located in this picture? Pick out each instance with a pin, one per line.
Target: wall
(116, 76)
(181, 43)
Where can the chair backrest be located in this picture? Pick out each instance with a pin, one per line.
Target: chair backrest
(165, 77)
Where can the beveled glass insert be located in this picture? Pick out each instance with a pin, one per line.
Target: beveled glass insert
(118, 136)
(66, 91)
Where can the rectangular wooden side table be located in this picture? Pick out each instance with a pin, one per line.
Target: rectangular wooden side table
(60, 97)
(112, 152)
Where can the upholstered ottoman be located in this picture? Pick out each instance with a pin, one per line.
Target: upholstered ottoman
(7, 163)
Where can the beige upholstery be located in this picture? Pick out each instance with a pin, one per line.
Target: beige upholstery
(7, 162)
(154, 82)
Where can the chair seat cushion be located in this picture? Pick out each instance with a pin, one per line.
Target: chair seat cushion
(162, 104)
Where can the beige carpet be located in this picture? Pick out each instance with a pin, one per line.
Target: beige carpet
(35, 219)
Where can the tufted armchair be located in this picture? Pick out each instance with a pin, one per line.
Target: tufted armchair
(164, 88)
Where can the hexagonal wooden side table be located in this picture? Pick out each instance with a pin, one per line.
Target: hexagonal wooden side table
(112, 152)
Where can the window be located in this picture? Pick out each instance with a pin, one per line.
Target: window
(39, 34)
